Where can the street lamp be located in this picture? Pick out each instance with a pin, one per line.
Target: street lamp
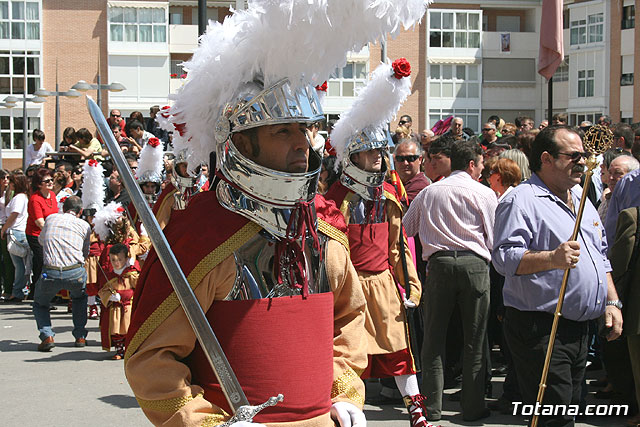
(83, 86)
(25, 128)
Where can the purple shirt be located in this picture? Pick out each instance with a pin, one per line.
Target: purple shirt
(625, 195)
(532, 218)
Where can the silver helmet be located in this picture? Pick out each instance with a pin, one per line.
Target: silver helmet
(364, 183)
(259, 193)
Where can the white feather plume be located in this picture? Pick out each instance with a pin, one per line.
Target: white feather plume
(162, 118)
(301, 40)
(375, 106)
(92, 185)
(150, 163)
(105, 217)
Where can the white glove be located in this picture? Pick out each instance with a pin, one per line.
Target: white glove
(409, 304)
(115, 297)
(348, 415)
(246, 424)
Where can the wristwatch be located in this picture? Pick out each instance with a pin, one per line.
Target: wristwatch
(615, 303)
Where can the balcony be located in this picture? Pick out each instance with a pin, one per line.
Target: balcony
(183, 38)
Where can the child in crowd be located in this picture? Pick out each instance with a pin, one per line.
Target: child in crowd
(116, 297)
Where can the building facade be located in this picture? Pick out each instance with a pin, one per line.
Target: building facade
(471, 60)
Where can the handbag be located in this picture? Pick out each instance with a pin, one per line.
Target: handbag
(16, 247)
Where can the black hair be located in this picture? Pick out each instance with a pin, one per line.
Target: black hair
(546, 141)
(442, 145)
(119, 248)
(624, 130)
(38, 135)
(462, 152)
(135, 124)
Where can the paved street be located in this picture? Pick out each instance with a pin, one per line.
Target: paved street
(79, 387)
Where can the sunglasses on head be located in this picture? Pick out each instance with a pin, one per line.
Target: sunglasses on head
(412, 158)
(576, 155)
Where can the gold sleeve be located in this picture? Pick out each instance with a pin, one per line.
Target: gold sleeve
(394, 216)
(139, 244)
(349, 340)
(170, 399)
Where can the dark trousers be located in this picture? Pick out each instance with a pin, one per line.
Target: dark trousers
(463, 280)
(37, 260)
(527, 333)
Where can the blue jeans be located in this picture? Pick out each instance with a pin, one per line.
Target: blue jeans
(20, 279)
(50, 283)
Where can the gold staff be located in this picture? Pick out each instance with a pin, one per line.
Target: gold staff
(597, 140)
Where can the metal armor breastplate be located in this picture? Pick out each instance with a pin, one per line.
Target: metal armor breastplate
(361, 211)
(255, 277)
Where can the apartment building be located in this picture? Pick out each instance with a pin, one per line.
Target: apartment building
(468, 59)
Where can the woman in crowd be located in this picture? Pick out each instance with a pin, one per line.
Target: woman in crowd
(76, 175)
(60, 189)
(41, 204)
(15, 227)
(521, 159)
(7, 265)
(505, 174)
(69, 137)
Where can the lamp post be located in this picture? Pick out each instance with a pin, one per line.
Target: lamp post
(83, 86)
(25, 127)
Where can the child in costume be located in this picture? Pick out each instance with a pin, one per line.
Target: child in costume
(116, 296)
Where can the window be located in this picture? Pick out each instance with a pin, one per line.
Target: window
(470, 117)
(578, 32)
(144, 24)
(562, 72)
(626, 79)
(175, 68)
(583, 33)
(12, 72)
(595, 28)
(11, 130)
(575, 119)
(345, 81)
(586, 83)
(454, 81)
(19, 20)
(454, 29)
(628, 17)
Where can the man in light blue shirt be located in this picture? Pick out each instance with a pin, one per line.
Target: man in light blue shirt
(532, 249)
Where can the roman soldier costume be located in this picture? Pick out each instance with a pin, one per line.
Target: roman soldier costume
(373, 213)
(267, 258)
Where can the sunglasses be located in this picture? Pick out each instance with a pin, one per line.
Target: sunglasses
(401, 122)
(116, 115)
(47, 181)
(487, 129)
(412, 158)
(576, 155)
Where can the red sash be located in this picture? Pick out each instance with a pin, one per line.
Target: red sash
(279, 345)
(369, 245)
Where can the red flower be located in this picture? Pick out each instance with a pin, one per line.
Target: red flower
(322, 87)
(183, 76)
(64, 199)
(401, 68)
(173, 75)
(93, 162)
(154, 142)
(120, 209)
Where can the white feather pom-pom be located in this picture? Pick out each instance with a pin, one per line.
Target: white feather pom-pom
(375, 106)
(150, 162)
(105, 217)
(92, 185)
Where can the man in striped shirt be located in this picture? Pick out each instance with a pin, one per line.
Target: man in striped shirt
(65, 245)
(454, 218)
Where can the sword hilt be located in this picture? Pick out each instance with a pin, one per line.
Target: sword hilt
(246, 412)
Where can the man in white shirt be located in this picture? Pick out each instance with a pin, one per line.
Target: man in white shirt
(454, 218)
(37, 152)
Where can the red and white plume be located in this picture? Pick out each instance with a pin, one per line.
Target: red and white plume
(105, 217)
(375, 105)
(150, 162)
(300, 40)
(92, 185)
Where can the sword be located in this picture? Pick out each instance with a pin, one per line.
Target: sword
(236, 398)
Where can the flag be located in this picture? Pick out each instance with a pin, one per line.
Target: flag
(551, 43)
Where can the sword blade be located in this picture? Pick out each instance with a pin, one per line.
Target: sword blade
(219, 363)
